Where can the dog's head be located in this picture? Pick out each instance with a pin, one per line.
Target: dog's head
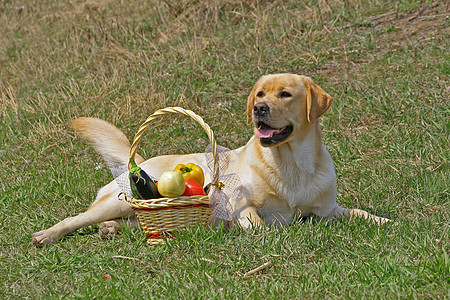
(281, 104)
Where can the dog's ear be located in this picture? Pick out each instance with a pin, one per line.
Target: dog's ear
(251, 102)
(317, 100)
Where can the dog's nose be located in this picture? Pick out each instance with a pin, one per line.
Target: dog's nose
(261, 109)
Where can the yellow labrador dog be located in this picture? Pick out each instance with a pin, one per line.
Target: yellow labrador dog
(285, 170)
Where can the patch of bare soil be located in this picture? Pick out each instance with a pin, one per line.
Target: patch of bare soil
(390, 31)
(421, 25)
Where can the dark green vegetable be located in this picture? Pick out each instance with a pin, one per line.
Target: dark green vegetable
(134, 190)
(142, 186)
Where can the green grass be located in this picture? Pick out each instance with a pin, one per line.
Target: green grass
(385, 64)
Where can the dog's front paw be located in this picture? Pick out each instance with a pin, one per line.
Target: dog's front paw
(43, 237)
(382, 220)
(108, 229)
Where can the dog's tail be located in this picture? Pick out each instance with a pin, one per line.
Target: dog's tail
(107, 140)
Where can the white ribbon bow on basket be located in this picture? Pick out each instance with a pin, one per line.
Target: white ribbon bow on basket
(227, 186)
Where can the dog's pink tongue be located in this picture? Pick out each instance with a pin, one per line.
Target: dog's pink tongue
(266, 132)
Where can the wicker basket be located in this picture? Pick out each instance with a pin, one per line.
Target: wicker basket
(165, 216)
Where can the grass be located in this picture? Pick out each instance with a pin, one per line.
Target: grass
(385, 64)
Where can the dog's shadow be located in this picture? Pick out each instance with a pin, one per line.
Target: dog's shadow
(84, 231)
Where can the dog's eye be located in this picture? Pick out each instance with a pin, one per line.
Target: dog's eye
(260, 94)
(285, 95)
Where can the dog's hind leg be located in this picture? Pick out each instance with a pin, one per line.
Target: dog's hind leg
(108, 229)
(107, 206)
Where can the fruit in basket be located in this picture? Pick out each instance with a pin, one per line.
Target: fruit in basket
(193, 188)
(191, 170)
(141, 184)
(171, 184)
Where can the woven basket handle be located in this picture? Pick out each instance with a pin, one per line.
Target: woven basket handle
(177, 110)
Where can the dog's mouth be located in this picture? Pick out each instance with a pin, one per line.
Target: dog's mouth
(270, 136)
